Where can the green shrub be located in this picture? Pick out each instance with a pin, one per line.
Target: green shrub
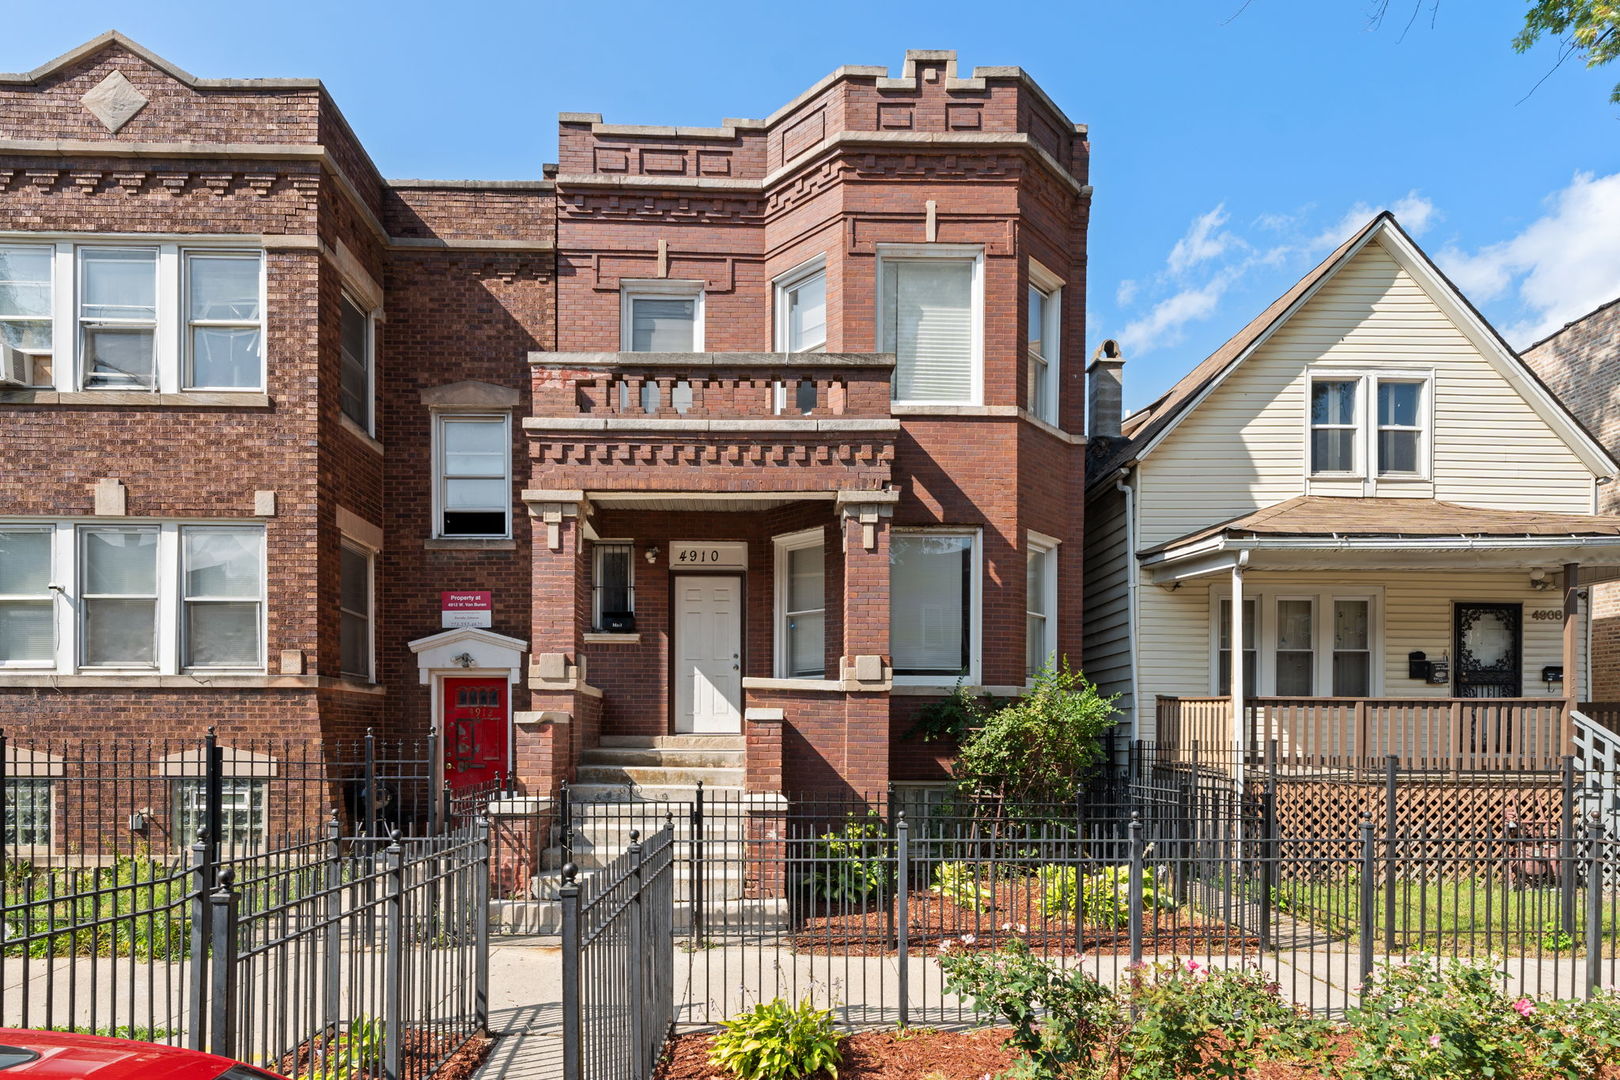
(855, 862)
(778, 1041)
(952, 717)
(961, 883)
(1060, 1017)
(1430, 1021)
(135, 907)
(1194, 1021)
(1103, 898)
(1038, 750)
(1576, 1038)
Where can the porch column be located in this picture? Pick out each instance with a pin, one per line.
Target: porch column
(865, 667)
(1239, 727)
(558, 689)
(1572, 650)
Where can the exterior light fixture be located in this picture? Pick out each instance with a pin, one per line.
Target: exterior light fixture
(464, 660)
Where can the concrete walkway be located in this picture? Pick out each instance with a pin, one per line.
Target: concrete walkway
(525, 1011)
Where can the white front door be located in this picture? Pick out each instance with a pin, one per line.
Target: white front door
(708, 654)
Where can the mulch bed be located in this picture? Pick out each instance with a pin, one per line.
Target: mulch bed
(846, 930)
(421, 1050)
(871, 1055)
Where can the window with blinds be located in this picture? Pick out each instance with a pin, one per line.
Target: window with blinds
(928, 325)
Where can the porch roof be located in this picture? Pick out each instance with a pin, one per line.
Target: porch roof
(1369, 532)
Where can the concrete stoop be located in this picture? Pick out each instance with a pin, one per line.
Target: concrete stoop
(543, 918)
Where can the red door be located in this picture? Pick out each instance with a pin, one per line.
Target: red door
(475, 732)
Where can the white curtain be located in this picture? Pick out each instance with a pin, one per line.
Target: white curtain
(928, 306)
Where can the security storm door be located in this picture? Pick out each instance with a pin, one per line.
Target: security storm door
(1489, 650)
(708, 654)
(476, 731)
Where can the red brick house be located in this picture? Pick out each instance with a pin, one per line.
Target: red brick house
(763, 432)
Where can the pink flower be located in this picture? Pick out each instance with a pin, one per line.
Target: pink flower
(968, 939)
(1022, 928)
(946, 945)
(1434, 1040)
(1194, 966)
(1525, 1007)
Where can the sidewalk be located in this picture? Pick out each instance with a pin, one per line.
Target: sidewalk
(525, 1012)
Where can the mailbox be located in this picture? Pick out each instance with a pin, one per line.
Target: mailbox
(1418, 666)
(1552, 673)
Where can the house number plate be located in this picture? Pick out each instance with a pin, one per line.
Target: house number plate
(708, 555)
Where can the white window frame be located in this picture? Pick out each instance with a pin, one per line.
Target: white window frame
(975, 626)
(50, 319)
(188, 380)
(370, 614)
(1274, 648)
(83, 325)
(785, 545)
(1050, 285)
(47, 530)
(68, 570)
(441, 473)
(633, 289)
(171, 360)
(164, 622)
(1047, 547)
(783, 288)
(1367, 426)
(262, 600)
(599, 548)
(1220, 624)
(973, 253)
(369, 314)
(1265, 632)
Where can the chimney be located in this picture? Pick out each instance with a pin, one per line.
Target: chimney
(1105, 383)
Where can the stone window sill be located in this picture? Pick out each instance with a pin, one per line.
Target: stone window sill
(191, 399)
(468, 544)
(359, 432)
(612, 639)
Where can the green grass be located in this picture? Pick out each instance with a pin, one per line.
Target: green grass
(1464, 916)
(135, 907)
(124, 1031)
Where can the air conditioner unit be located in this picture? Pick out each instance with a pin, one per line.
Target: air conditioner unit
(16, 367)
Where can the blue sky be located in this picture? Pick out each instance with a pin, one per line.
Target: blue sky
(1232, 145)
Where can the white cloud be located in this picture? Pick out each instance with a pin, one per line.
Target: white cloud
(1202, 242)
(1125, 293)
(1559, 267)
(1414, 212)
(1164, 324)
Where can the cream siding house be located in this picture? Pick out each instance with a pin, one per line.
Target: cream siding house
(1402, 509)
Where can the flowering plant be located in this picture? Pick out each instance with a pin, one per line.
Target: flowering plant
(1427, 1020)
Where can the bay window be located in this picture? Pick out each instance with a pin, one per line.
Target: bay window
(801, 309)
(355, 592)
(801, 602)
(929, 318)
(934, 604)
(474, 479)
(357, 349)
(1044, 323)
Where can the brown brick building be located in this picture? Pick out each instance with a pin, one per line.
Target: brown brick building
(762, 435)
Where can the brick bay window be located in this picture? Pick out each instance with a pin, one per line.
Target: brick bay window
(613, 587)
(661, 316)
(934, 605)
(1044, 324)
(1040, 603)
(356, 588)
(801, 605)
(930, 303)
(131, 316)
(162, 598)
(473, 476)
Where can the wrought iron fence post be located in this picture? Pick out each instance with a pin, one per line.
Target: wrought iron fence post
(1184, 864)
(369, 803)
(573, 1028)
(434, 805)
(1392, 778)
(695, 887)
(481, 914)
(638, 992)
(393, 957)
(202, 883)
(222, 910)
(565, 815)
(1595, 868)
(3, 745)
(213, 793)
(902, 914)
(1369, 885)
(334, 919)
(1135, 888)
(1268, 853)
(1566, 851)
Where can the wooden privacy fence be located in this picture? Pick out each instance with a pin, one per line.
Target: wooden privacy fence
(1439, 734)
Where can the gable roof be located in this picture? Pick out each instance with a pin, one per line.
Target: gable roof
(1146, 428)
(113, 37)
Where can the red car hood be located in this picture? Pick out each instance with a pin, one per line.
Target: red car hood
(64, 1055)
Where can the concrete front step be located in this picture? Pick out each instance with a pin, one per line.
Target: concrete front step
(543, 918)
(673, 742)
(588, 856)
(659, 776)
(650, 794)
(652, 757)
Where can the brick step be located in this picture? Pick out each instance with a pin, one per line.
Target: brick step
(673, 742)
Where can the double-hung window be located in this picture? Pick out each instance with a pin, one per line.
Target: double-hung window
(1369, 424)
(1251, 651)
(1044, 322)
(222, 574)
(1294, 658)
(1040, 604)
(27, 299)
(661, 316)
(474, 476)
(119, 596)
(27, 603)
(355, 592)
(357, 332)
(934, 604)
(801, 605)
(929, 316)
(118, 317)
(1310, 644)
(1352, 647)
(801, 309)
(224, 321)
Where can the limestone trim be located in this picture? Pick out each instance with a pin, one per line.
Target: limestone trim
(193, 682)
(358, 529)
(471, 394)
(213, 399)
(710, 359)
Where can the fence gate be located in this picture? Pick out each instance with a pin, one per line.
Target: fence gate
(618, 939)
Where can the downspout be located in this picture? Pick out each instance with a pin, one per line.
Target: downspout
(1132, 575)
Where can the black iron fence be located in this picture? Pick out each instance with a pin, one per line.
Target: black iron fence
(307, 907)
(617, 962)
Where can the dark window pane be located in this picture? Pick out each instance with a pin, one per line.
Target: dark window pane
(1333, 450)
(1333, 402)
(1397, 451)
(1398, 403)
